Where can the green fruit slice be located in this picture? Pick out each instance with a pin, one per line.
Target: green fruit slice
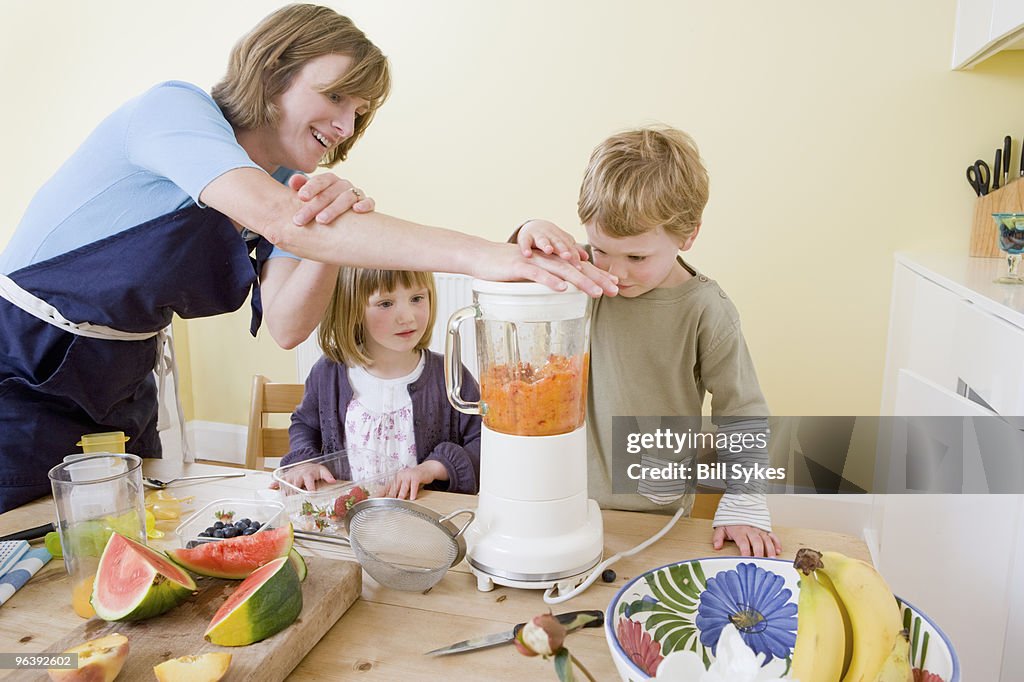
(299, 563)
(52, 544)
(265, 603)
(134, 582)
(235, 558)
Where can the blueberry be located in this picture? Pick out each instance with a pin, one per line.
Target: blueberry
(219, 533)
(218, 525)
(240, 526)
(191, 544)
(210, 530)
(608, 575)
(248, 531)
(245, 522)
(204, 534)
(231, 532)
(255, 525)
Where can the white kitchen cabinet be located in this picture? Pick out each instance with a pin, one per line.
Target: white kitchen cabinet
(985, 27)
(956, 347)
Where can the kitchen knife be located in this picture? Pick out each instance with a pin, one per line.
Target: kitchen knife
(573, 620)
(1007, 148)
(30, 534)
(997, 169)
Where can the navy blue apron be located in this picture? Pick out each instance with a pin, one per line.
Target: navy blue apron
(56, 386)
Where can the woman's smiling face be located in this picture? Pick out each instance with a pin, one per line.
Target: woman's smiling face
(311, 122)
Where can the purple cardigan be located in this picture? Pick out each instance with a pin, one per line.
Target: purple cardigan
(442, 433)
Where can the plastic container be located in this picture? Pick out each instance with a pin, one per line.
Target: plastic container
(266, 513)
(322, 508)
(111, 441)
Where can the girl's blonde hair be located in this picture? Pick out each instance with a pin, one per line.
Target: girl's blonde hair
(342, 333)
(263, 63)
(641, 179)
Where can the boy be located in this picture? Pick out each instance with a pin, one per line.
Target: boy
(670, 335)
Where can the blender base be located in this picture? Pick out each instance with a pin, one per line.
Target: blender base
(485, 581)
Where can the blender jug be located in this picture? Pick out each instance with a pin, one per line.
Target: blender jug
(532, 349)
(535, 527)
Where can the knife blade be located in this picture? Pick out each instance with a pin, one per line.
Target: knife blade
(30, 534)
(587, 619)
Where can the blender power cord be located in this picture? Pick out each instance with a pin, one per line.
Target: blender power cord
(596, 573)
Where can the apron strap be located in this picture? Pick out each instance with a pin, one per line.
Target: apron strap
(165, 360)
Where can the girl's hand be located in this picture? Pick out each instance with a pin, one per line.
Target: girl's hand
(751, 541)
(327, 196)
(305, 477)
(408, 481)
(548, 238)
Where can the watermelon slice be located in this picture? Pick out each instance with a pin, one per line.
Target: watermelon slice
(134, 582)
(235, 558)
(265, 603)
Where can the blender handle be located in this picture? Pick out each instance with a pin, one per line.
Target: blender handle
(453, 362)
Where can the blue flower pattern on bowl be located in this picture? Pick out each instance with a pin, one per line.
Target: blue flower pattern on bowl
(757, 602)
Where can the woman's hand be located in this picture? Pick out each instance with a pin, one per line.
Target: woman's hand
(549, 238)
(506, 263)
(750, 540)
(326, 196)
(408, 481)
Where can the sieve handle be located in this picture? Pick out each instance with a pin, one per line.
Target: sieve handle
(453, 362)
(457, 512)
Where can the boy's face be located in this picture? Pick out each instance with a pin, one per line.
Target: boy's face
(641, 262)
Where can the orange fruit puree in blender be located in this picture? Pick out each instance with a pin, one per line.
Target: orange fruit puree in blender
(526, 401)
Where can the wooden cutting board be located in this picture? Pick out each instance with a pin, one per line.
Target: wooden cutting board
(329, 589)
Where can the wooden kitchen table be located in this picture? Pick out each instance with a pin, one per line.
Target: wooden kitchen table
(384, 634)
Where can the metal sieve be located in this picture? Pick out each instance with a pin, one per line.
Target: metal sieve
(404, 545)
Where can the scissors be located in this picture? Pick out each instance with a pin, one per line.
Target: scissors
(979, 176)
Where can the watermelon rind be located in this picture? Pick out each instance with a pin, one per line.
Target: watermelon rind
(235, 558)
(159, 584)
(272, 601)
(299, 563)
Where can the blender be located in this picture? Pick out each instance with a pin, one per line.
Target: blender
(535, 527)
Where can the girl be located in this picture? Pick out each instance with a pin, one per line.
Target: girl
(380, 394)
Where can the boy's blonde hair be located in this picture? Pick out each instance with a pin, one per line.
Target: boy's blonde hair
(263, 63)
(641, 179)
(342, 332)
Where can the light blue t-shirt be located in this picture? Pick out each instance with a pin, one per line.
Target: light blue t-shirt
(152, 156)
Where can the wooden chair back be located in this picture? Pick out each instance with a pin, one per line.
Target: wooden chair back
(263, 440)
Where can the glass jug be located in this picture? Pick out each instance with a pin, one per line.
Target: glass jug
(533, 353)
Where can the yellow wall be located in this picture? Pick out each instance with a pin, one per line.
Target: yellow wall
(835, 133)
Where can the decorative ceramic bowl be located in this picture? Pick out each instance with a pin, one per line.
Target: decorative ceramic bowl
(658, 612)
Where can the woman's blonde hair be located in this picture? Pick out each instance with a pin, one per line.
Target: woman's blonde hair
(641, 179)
(342, 333)
(263, 63)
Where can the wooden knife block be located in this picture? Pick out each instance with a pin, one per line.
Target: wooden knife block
(1009, 199)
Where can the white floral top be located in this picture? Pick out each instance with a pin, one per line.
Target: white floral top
(379, 423)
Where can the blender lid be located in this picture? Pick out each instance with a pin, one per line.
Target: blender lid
(529, 302)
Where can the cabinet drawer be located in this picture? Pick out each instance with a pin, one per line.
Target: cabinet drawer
(989, 356)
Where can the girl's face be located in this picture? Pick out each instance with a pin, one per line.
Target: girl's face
(395, 321)
(311, 122)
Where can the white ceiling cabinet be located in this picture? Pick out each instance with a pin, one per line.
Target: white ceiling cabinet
(985, 27)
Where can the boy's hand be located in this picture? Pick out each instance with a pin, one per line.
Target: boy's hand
(751, 541)
(548, 238)
(408, 481)
(327, 196)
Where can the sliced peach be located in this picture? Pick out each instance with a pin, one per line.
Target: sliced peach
(203, 668)
(99, 660)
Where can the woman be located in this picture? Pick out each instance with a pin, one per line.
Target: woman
(144, 221)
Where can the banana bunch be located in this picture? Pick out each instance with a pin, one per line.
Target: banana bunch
(849, 627)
